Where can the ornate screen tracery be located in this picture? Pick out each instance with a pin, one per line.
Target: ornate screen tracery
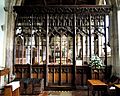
(92, 36)
(30, 31)
(61, 38)
(85, 31)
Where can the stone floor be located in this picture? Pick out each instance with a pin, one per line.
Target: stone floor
(65, 93)
(61, 93)
(69, 93)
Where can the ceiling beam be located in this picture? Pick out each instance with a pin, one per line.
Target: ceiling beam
(45, 2)
(100, 2)
(108, 2)
(60, 2)
(113, 2)
(75, 2)
(118, 3)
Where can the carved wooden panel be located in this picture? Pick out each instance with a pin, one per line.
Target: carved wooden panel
(83, 73)
(22, 71)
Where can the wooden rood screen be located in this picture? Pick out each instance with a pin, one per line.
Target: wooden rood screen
(53, 42)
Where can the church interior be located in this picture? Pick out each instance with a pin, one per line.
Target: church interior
(59, 48)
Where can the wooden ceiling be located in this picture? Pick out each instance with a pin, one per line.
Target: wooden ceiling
(58, 2)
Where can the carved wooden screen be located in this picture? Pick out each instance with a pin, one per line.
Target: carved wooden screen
(30, 40)
(92, 37)
(88, 26)
(61, 38)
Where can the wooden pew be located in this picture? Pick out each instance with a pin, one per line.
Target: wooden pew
(12, 89)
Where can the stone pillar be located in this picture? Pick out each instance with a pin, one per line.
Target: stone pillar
(114, 40)
(118, 18)
(9, 33)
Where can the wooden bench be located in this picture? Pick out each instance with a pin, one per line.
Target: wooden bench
(96, 85)
(12, 89)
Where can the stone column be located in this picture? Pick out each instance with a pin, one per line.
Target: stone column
(9, 33)
(118, 18)
(114, 40)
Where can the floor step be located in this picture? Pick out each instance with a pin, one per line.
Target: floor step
(59, 88)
